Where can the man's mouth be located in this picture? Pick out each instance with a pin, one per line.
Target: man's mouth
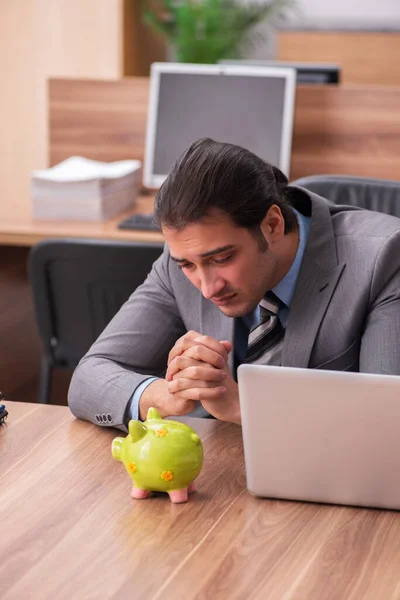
(223, 300)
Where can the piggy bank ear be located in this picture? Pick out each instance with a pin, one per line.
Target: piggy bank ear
(195, 439)
(116, 448)
(153, 413)
(137, 430)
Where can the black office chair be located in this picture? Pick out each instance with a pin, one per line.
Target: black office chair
(380, 195)
(77, 287)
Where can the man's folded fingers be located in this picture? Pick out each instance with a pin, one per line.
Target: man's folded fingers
(199, 372)
(201, 353)
(182, 344)
(202, 341)
(179, 363)
(183, 383)
(201, 393)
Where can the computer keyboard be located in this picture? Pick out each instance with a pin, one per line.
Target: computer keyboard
(139, 221)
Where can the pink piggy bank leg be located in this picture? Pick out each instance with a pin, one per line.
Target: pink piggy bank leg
(191, 488)
(178, 496)
(139, 494)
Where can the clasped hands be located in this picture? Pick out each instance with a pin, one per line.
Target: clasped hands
(197, 371)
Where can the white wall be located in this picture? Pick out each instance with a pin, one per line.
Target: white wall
(376, 15)
(345, 14)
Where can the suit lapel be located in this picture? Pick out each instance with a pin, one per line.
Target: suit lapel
(318, 277)
(310, 302)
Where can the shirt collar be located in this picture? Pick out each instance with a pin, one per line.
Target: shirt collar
(284, 290)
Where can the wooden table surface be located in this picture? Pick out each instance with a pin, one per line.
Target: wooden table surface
(17, 230)
(70, 530)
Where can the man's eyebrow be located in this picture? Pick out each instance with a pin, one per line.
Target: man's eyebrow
(208, 253)
(217, 251)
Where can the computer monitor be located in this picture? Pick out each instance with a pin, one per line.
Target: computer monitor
(252, 107)
(307, 72)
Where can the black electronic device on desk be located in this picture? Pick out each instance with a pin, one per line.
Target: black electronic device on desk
(306, 72)
(139, 221)
(3, 410)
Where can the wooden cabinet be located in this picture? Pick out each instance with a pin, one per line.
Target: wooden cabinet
(364, 56)
(40, 39)
(141, 46)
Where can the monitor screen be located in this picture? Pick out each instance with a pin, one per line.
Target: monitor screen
(307, 72)
(250, 107)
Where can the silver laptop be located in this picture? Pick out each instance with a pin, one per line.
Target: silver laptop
(321, 436)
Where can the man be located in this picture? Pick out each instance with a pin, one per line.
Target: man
(253, 270)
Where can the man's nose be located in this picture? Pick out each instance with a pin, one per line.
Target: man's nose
(211, 286)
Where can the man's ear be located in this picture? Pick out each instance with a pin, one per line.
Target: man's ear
(273, 224)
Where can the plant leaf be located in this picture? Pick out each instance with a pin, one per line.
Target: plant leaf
(205, 31)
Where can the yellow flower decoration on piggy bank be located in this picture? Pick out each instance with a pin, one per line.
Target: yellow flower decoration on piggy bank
(160, 456)
(161, 432)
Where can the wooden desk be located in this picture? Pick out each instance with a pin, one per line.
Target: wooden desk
(26, 231)
(69, 528)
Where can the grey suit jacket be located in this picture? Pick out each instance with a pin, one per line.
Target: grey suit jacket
(345, 312)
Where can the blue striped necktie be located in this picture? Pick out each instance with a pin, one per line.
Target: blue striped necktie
(268, 331)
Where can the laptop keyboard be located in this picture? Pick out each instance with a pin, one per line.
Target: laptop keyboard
(139, 221)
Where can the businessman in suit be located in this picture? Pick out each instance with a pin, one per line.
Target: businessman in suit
(253, 270)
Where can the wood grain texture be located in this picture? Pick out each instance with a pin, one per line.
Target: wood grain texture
(72, 530)
(39, 39)
(28, 231)
(349, 130)
(365, 57)
(352, 130)
(102, 120)
(141, 45)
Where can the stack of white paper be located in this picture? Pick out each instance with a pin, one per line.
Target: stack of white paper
(83, 189)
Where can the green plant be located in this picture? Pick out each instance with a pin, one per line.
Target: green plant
(205, 31)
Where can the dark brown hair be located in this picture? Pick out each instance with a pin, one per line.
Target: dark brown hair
(225, 177)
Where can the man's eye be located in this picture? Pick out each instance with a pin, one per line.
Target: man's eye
(221, 261)
(185, 265)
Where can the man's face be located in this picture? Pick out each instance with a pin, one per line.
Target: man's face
(230, 266)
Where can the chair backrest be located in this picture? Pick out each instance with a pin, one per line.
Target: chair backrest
(373, 194)
(78, 286)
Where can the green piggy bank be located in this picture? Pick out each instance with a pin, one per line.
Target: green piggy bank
(160, 456)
